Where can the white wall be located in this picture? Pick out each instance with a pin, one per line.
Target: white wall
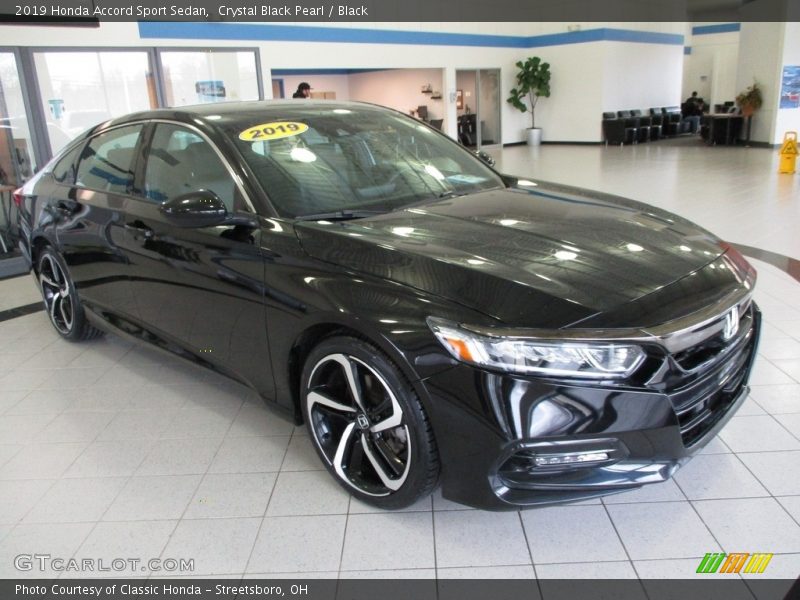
(399, 89)
(711, 67)
(788, 119)
(582, 73)
(319, 83)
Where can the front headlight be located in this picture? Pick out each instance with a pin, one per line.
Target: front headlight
(597, 360)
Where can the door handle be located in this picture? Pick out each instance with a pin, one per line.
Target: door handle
(139, 228)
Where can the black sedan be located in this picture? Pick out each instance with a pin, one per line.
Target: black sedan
(430, 320)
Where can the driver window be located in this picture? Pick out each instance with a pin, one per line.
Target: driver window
(180, 161)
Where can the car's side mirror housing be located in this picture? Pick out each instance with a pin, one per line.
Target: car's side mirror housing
(202, 208)
(485, 157)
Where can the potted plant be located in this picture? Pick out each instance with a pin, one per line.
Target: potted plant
(533, 82)
(749, 101)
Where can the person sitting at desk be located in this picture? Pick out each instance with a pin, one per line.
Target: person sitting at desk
(692, 110)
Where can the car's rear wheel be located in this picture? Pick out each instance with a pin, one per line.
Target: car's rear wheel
(60, 298)
(367, 424)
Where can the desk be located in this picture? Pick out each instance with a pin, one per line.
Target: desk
(5, 208)
(722, 129)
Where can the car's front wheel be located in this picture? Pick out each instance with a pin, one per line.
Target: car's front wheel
(367, 424)
(60, 298)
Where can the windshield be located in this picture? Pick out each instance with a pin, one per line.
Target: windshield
(315, 160)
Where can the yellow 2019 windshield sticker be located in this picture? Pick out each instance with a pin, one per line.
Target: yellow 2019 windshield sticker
(272, 131)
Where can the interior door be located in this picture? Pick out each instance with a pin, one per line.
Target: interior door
(200, 289)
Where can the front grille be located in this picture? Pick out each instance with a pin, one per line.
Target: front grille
(700, 406)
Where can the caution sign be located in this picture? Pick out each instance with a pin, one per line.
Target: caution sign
(788, 153)
(272, 131)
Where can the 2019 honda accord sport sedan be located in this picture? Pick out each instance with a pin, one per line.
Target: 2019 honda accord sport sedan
(429, 319)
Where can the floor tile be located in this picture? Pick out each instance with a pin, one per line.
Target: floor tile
(75, 427)
(259, 421)
(388, 541)
(298, 544)
(661, 530)
(557, 534)
(781, 348)
(397, 574)
(718, 476)
(790, 366)
(480, 539)
(179, 457)
(110, 459)
(41, 402)
(766, 373)
(22, 428)
(792, 505)
(779, 472)
(715, 446)
(147, 498)
(232, 495)
(301, 456)
(217, 546)
(76, 500)
(307, 493)
(358, 507)
(666, 491)
(8, 451)
(41, 461)
(777, 399)
(250, 455)
(756, 434)
(588, 570)
(137, 425)
(758, 523)
(57, 539)
(18, 497)
(140, 541)
(199, 423)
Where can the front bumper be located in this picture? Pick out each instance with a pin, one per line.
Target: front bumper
(496, 425)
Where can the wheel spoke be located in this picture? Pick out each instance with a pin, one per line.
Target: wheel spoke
(342, 451)
(53, 307)
(393, 420)
(317, 398)
(391, 459)
(48, 281)
(380, 469)
(351, 375)
(64, 309)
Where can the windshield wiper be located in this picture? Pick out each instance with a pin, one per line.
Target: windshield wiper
(340, 215)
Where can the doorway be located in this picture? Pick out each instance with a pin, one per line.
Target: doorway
(478, 107)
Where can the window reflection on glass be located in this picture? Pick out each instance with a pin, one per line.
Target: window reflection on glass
(81, 89)
(196, 77)
(16, 149)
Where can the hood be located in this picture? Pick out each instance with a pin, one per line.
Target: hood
(544, 257)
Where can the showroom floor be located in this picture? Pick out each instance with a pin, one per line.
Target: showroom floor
(109, 450)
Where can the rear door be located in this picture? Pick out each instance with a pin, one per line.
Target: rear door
(89, 201)
(201, 289)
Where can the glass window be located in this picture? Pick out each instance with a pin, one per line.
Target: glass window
(196, 77)
(16, 148)
(180, 161)
(106, 163)
(354, 159)
(81, 89)
(64, 171)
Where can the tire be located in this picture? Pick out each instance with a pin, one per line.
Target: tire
(380, 447)
(60, 298)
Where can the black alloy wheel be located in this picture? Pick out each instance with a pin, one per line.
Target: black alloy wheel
(61, 300)
(367, 424)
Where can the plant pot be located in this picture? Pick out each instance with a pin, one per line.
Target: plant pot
(534, 136)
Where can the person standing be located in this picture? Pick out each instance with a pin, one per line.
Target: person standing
(303, 91)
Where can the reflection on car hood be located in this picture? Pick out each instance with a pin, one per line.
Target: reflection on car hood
(544, 257)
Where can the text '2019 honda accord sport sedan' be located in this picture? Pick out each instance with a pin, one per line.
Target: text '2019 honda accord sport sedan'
(430, 320)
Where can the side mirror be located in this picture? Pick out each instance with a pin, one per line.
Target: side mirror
(202, 208)
(485, 157)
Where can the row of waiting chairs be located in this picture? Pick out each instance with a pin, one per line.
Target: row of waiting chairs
(633, 127)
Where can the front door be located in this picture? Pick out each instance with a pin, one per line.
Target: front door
(200, 289)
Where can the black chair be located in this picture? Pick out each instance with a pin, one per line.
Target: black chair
(436, 123)
(653, 130)
(642, 131)
(615, 131)
(657, 119)
(673, 121)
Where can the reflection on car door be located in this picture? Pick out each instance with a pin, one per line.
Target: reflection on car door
(198, 288)
(92, 186)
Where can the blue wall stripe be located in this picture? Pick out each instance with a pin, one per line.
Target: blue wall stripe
(721, 28)
(687, 49)
(291, 72)
(293, 33)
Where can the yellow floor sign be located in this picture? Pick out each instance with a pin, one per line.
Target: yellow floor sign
(788, 153)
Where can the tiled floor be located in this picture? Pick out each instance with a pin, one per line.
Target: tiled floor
(109, 450)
